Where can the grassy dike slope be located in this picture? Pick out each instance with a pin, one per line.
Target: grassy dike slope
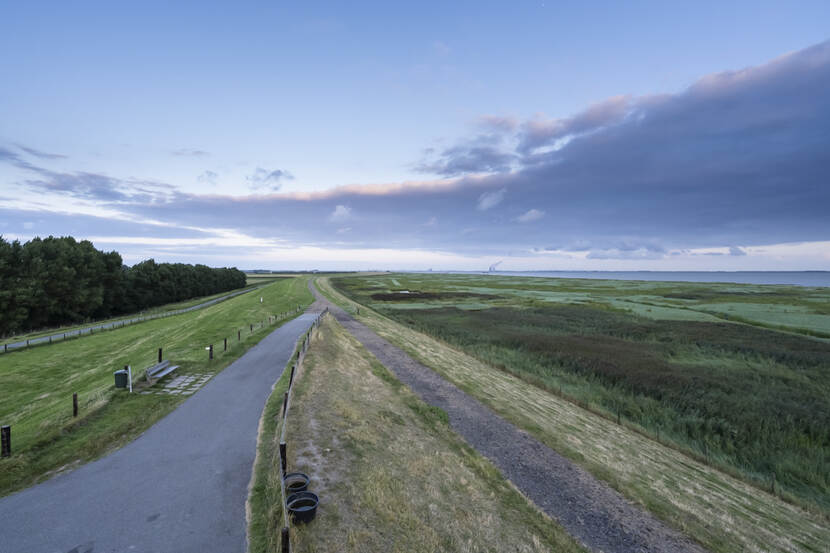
(37, 383)
(721, 512)
(390, 473)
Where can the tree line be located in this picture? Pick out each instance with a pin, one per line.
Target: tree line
(48, 282)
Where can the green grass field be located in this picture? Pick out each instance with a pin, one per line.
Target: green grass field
(387, 466)
(38, 383)
(152, 311)
(721, 511)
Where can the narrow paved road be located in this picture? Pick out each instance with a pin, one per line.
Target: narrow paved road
(180, 487)
(587, 508)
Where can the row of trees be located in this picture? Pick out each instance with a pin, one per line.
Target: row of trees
(54, 281)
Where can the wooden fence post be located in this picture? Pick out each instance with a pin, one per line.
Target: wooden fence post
(159, 355)
(226, 345)
(286, 544)
(6, 441)
(75, 404)
(210, 353)
(283, 462)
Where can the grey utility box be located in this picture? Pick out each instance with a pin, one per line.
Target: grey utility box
(121, 378)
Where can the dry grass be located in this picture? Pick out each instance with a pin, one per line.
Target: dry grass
(722, 512)
(390, 473)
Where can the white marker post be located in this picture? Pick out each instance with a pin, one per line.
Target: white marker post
(130, 377)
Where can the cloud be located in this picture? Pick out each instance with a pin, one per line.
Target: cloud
(482, 154)
(640, 253)
(490, 199)
(39, 154)
(737, 158)
(499, 123)
(344, 230)
(530, 215)
(189, 152)
(268, 178)
(101, 188)
(540, 131)
(736, 251)
(341, 213)
(8, 156)
(207, 177)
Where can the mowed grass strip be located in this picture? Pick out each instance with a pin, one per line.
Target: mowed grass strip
(720, 511)
(37, 384)
(390, 473)
(152, 311)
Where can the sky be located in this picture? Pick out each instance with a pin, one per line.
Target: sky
(445, 135)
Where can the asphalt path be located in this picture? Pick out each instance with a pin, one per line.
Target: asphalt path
(180, 487)
(115, 324)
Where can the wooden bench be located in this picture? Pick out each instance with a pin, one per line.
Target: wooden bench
(159, 370)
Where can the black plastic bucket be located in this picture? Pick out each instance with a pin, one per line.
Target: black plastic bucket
(302, 506)
(295, 482)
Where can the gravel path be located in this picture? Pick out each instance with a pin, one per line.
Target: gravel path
(589, 510)
(179, 487)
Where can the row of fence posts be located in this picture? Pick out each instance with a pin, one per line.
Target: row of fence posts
(6, 431)
(270, 320)
(286, 403)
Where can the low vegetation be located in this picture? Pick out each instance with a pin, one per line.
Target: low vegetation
(723, 512)
(37, 384)
(56, 281)
(390, 473)
(743, 397)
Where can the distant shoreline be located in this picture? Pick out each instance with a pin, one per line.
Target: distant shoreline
(791, 278)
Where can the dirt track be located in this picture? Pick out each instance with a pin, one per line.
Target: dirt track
(589, 510)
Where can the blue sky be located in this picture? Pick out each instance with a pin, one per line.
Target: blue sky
(639, 135)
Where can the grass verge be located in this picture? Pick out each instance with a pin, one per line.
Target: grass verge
(722, 512)
(124, 317)
(38, 383)
(390, 473)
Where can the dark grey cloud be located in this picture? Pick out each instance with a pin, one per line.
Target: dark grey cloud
(482, 154)
(39, 154)
(97, 187)
(271, 179)
(540, 132)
